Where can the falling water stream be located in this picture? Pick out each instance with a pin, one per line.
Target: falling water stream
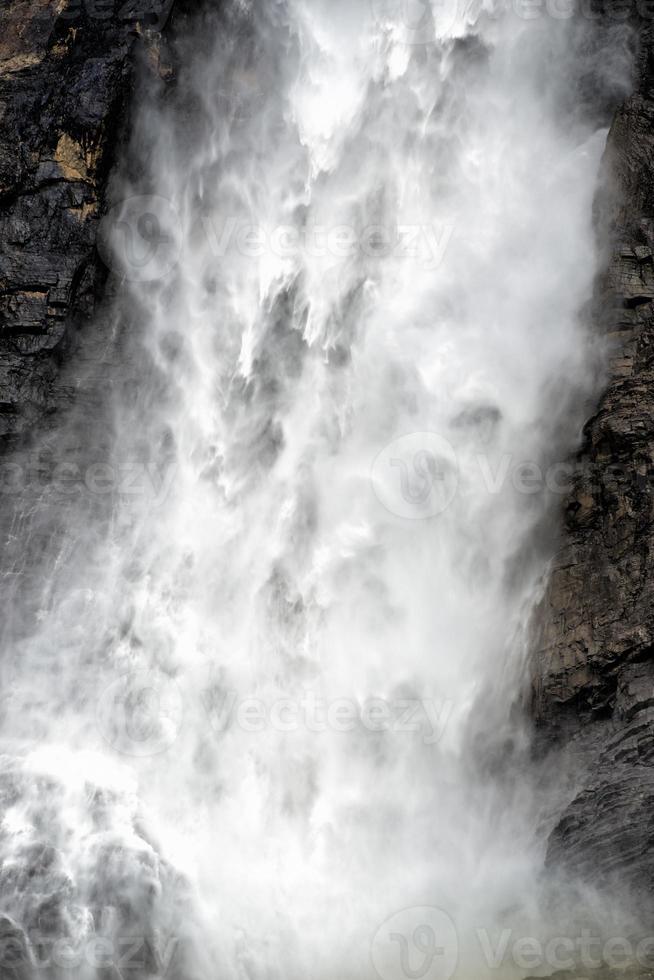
(260, 715)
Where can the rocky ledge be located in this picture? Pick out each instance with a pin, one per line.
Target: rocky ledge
(594, 663)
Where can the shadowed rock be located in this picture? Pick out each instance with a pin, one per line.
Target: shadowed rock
(66, 69)
(594, 665)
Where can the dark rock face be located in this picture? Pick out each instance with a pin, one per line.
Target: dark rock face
(594, 666)
(66, 68)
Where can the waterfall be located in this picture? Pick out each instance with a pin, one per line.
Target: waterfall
(270, 608)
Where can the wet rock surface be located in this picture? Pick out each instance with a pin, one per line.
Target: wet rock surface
(594, 666)
(66, 72)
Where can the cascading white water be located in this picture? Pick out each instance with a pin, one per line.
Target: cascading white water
(273, 662)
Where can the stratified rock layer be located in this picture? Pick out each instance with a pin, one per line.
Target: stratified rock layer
(594, 669)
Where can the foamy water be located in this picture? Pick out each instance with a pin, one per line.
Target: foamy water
(269, 663)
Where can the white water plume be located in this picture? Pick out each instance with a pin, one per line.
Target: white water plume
(275, 656)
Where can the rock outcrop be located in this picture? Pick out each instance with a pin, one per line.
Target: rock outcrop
(66, 71)
(594, 666)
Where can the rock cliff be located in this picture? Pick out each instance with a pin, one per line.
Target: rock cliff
(594, 664)
(66, 71)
